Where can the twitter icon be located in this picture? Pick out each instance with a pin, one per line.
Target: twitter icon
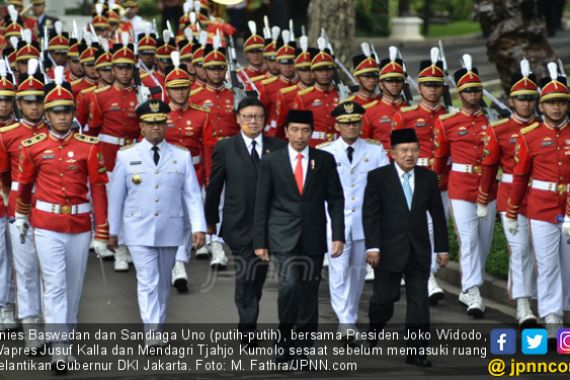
(534, 342)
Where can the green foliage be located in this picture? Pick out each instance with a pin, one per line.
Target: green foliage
(451, 9)
(454, 28)
(148, 9)
(372, 18)
(498, 260)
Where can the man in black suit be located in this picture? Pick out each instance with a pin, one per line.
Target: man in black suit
(43, 20)
(396, 200)
(290, 224)
(235, 165)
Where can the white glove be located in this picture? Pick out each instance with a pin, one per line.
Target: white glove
(22, 224)
(99, 246)
(566, 226)
(512, 226)
(481, 210)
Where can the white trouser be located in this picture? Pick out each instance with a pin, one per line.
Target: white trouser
(552, 253)
(522, 277)
(474, 235)
(445, 201)
(63, 262)
(7, 292)
(346, 280)
(154, 274)
(28, 291)
(183, 251)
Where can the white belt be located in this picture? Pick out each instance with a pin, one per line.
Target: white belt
(196, 160)
(549, 186)
(507, 178)
(423, 162)
(114, 140)
(466, 168)
(14, 186)
(323, 136)
(63, 209)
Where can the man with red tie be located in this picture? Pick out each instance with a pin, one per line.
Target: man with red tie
(322, 98)
(422, 117)
(542, 156)
(500, 152)
(460, 136)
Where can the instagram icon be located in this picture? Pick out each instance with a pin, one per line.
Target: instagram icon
(563, 346)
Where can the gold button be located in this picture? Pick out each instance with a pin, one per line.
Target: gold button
(156, 200)
(61, 174)
(156, 214)
(156, 187)
(156, 172)
(353, 198)
(353, 210)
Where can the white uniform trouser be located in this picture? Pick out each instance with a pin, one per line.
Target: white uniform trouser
(154, 273)
(28, 291)
(552, 253)
(475, 235)
(346, 280)
(445, 201)
(7, 292)
(522, 278)
(63, 262)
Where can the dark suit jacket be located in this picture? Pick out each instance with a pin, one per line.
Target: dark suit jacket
(232, 166)
(48, 21)
(393, 228)
(283, 217)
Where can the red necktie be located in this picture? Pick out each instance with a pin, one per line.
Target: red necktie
(299, 173)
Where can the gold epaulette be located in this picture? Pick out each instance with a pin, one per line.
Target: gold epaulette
(530, 128)
(447, 115)
(199, 108)
(287, 90)
(269, 80)
(76, 82)
(33, 140)
(9, 127)
(370, 105)
(322, 145)
(196, 90)
(349, 99)
(499, 122)
(125, 147)
(409, 108)
(88, 90)
(144, 75)
(259, 77)
(306, 91)
(101, 89)
(372, 141)
(86, 139)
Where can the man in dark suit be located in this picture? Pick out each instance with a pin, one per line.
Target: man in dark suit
(290, 224)
(396, 200)
(235, 165)
(43, 20)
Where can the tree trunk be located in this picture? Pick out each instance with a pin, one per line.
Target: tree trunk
(514, 31)
(337, 18)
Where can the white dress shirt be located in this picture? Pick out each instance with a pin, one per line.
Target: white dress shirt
(401, 176)
(258, 143)
(148, 146)
(293, 158)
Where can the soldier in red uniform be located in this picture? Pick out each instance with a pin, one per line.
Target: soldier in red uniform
(367, 73)
(27, 49)
(27, 22)
(69, 176)
(500, 152)
(223, 122)
(269, 54)
(103, 59)
(198, 61)
(9, 53)
(185, 47)
(542, 156)
(378, 119)
(58, 47)
(146, 50)
(422, 117)
(74, 70)
(322, 98)
(253, 51)
(269, 88)
(7, 293)
(461, 136)
(186, 128)
(154, 79)
(30, 102)
(286, 96)
(87, 51)
(100, 22)
(113, 119)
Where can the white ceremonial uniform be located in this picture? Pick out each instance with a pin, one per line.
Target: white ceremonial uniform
(7, 291)
(346, 272)
(146, 203)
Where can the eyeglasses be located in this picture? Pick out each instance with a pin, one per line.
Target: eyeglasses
(252, 117)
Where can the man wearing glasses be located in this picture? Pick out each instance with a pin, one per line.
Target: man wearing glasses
(220, 101)
(235, 166)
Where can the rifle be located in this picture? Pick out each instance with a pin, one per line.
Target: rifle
(237, 87)
(343, 90)
(409, 80)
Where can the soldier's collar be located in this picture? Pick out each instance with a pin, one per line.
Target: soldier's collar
(390, 103)
(471, 114)
(320, 88)
(30, 124)
(428, 108)
(57, 137)
(561, 125)
(521, 120)
(215, 89)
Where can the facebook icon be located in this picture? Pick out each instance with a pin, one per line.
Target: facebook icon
(503, 341)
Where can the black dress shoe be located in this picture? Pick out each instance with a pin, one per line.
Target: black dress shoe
(181, 285)
(418, 361)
